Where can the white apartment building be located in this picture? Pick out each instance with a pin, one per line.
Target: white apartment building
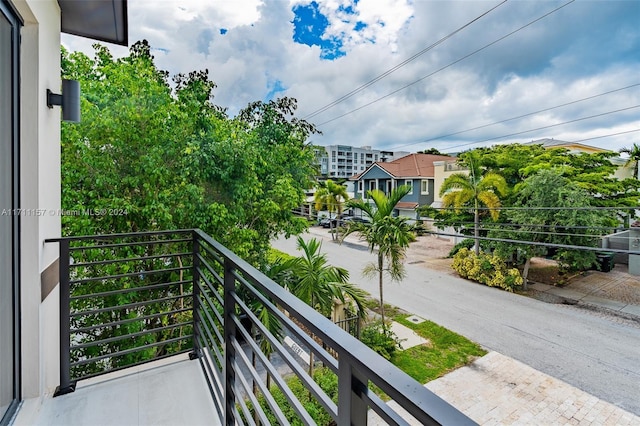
(344, 161)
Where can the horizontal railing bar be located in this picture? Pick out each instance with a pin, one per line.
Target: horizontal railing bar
(211, 325)
(211, 371)
(247, 414)
(130, 244)
(128, 259)
(322, 354)
(120, 235)
(129, 305)
(216, 255)
(388, 414)
(217, 403)
(213, 291)
(254, 400)
(308, 381)
(218, 354)
(275, 408)
(209, 269)
(428, 409)
(209, 303)
(203, 261)
(131, 274)
(127, 336)
(128, 290)
(135, 364)
(125, 321)
(415, 398)
(129, 351)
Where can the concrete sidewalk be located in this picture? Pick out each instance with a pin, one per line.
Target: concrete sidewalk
(498, 390)
(617, 290)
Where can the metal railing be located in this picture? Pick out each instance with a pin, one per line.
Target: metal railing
(351, 325)
(132, 298)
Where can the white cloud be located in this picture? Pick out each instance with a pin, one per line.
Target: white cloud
(585, 49)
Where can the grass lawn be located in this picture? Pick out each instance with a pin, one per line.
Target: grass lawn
(445, 352)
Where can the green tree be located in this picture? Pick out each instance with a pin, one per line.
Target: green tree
(317, 283)
(461, 190)
(171, 159)
(166, 157)
(433, 151)
(330, 196)
(634, 158)
(547, 211)
(387, 233)
(593, 172)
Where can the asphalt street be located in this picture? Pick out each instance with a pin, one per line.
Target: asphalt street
(583, 348)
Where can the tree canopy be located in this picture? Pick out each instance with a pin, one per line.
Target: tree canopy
(151, 155)
(474, 190)
(592, 172)
(552, 210)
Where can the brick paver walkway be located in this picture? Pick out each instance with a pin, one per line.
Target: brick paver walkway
(498, 390)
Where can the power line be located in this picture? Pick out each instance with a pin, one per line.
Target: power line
(547, 127)
(530, 243)
(534, 225)
(533, 232)
(549, 208)
(606, 136)
(517, 117)
(398, 66)
(447, 66)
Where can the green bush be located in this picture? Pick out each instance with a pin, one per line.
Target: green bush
(487, 269)
(327, 381)
(379, 339)
(466, 243)
(420, 228)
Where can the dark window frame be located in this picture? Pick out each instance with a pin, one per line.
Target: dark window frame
(8, 12)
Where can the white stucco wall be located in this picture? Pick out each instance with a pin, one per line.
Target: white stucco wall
(40, 191)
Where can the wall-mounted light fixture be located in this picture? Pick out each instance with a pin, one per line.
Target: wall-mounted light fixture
(69, 100)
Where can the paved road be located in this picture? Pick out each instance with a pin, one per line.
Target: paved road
(582, 348)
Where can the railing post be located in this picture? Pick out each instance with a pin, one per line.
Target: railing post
(195, 303)
(65, 324)
(352, 410)
(229, 337)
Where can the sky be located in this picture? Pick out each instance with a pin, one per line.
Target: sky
(450, 75)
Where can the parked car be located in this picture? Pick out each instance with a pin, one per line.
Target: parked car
(355, 219)
(339, 221)
(327, 223)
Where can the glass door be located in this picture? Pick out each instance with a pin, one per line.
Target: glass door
(9, 297)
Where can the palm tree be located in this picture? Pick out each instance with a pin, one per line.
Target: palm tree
(389, 234)
(331, 196)
(460, 189)
(634, 158)
(317, 284)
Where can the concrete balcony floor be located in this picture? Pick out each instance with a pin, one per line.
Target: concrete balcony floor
(168, 392)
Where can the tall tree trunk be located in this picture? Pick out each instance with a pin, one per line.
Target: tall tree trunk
(333, 237)
(476, 230)
(525, 273)
(380, 276)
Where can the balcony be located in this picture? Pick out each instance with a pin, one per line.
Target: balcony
(173, 328)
